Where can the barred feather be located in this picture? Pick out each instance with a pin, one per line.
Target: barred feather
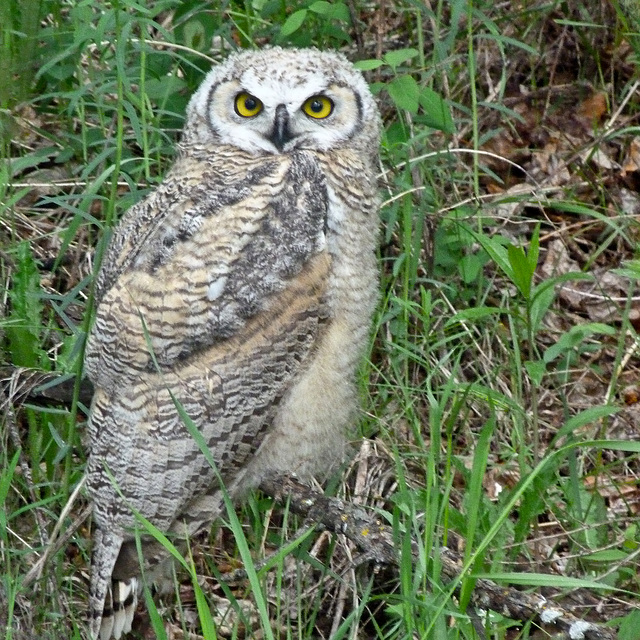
(242, 289)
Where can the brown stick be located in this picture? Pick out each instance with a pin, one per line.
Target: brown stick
(374, 540)
(365, 530)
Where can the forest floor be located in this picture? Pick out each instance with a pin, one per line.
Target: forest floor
(501, 396)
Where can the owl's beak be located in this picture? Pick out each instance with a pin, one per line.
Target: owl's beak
(281, 134)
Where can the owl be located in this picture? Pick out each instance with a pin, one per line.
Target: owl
(236, 299)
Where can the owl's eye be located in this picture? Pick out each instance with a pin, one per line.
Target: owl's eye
(247, 105)
(318, 107)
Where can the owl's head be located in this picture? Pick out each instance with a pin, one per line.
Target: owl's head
(279, 100)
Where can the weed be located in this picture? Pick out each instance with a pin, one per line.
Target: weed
(501, 387)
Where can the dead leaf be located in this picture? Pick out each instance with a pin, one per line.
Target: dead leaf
(594, 108)
(632, 160)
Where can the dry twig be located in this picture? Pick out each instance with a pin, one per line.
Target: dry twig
(372, 537)
(374, 540)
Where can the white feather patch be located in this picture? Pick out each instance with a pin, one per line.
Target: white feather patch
(123, 614)
(106, 628)
(216, 288)
(321, 241)
(130, 609)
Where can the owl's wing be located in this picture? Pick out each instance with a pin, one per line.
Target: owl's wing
(230, 391)
(191, 276)
(217, 310)
(144, 457)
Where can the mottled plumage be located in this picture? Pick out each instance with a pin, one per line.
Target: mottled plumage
(242, 288)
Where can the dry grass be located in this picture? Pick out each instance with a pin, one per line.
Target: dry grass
(492, 374)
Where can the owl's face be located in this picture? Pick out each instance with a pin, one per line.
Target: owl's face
(278, 100)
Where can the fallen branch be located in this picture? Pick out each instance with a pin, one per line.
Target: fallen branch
(374, 539)
(23, 385)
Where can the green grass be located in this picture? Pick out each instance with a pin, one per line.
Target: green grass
(495, 396)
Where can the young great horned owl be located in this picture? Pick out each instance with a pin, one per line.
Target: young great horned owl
(240, 291)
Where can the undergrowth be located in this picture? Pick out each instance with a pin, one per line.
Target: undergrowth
(500, 397)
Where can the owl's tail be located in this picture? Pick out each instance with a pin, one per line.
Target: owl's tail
(111, 603)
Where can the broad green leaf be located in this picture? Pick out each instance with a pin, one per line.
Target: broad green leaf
(541, 289)
(397, 57)
(404, 92)
(293, 22)
(474, 313)
(160, 88)
(436, 111)
(367, 65)
(629, 626)
(631, 271)
(30, 160)
(331, 11)
(588, 416)
(470, 267)
(521, 273)
(608, 556)
(631, 446)
(540, 303)
(498, 253)
(194, 35)
(576, 336)
(536, 370)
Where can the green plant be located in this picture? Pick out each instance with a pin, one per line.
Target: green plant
(489, 395)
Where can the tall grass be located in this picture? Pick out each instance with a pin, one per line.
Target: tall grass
(477, 430)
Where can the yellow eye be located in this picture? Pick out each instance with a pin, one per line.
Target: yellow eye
(318, 107)
(247, 105)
